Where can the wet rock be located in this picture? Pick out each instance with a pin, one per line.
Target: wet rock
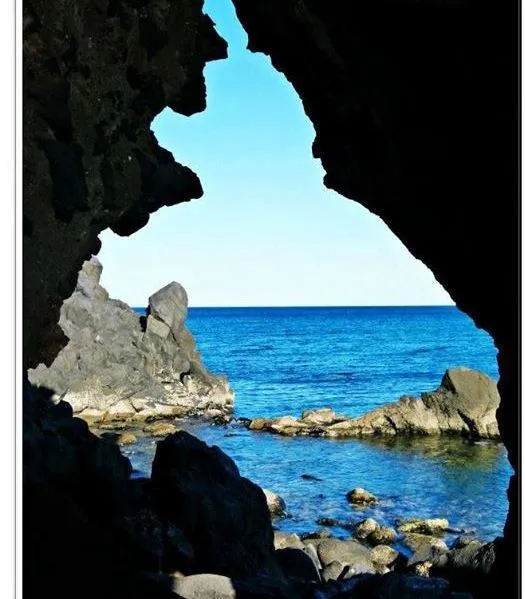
(383, 535)
(365, 527)
(431, 526)
(275, 503)
(126, 438)
(118, 368)
(360, 496)
(383, 555)
(288, 426)
(321, 533)
(258, 424)
(223, 515)
(327, 522)
(160, 429)
(297, 565)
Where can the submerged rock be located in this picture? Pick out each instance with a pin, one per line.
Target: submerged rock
(431, 526)
(126, 438)
(465, 403)
(360, 496)
(160, 429)
(119, 367)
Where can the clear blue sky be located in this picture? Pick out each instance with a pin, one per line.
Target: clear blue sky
(266, 232)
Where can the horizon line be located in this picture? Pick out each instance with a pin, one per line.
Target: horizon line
(322, 306)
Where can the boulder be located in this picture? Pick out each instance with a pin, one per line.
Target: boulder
(359, 496)
(288, 426)
(297, 565)
(383, 555)
(465, 403)
(322, 416)
(365, 527)
(349, 553)
(160, 429)
(222, 514)
(333, 571)
(418, 542)
(126, 438)
(473, 555)
(281, 540)
(258, 424)
(204, 586)
(119, 367)
(431, 526)
(275, 503)
(383, 535)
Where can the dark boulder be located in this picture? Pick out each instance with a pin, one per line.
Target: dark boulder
(223, 515)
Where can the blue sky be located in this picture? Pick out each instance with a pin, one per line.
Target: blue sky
(266, 232)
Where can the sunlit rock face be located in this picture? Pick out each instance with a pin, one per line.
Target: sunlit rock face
(96, 73)
(416, 118)
(121, 368)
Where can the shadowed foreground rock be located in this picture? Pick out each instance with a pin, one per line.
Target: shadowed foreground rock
(119, 367)
(464, 404)
(224, 515)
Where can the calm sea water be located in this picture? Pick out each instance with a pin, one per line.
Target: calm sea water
(284, 360)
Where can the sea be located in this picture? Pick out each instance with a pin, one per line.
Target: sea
(281, 361)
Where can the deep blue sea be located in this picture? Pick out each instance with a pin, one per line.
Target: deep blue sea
(282, 361)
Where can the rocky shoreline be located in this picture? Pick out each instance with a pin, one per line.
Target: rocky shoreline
(410, 557)
(203, 529)
(409, 560)
(464, 404)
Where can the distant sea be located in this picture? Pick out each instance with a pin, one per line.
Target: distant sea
(281, 361)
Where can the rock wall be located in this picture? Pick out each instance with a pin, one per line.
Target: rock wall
(96, 73)
(118, 367)
(416, 118)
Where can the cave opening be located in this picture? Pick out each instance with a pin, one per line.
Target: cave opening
(267, 233)
(397, 130)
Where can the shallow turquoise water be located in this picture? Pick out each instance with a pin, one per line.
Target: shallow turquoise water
(283, 360)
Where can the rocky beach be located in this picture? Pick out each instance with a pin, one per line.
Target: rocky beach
(139, 383)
